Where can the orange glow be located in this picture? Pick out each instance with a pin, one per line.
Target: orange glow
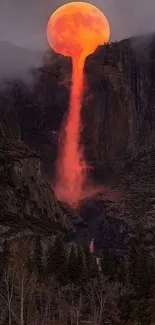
(76, 29)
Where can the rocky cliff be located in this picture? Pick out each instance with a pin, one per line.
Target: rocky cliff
(120, 101)
(27, 203)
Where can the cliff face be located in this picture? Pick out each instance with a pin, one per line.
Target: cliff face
(27, 203)
(119, 105)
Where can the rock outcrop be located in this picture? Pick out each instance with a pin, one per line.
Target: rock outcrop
(27, 202)
(120, 101)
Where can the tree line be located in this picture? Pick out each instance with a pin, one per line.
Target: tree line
(65, 285)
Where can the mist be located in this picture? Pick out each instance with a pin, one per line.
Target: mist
(17, 62)
(24, 25)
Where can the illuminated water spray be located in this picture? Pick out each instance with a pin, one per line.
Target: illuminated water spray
(75, 30)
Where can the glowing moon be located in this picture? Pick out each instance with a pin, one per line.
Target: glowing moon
(76, 29)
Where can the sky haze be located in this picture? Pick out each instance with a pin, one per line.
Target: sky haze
(24, 22)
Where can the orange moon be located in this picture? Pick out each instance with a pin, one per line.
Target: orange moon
(76, 29)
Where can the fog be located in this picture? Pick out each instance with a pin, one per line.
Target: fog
(23, 23)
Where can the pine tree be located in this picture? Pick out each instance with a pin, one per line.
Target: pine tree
(140, 278)
(94, 268)
(91, 267)
(88, 257)
(122, 272)
(140, 269)
(4, 258)
(80, 265)
(151, 308)
(108, 264)
(132, 262)
(34, 262)
(38, 257)
(57, 261)
(72, 266)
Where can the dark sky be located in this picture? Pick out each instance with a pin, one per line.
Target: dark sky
(23, 22)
